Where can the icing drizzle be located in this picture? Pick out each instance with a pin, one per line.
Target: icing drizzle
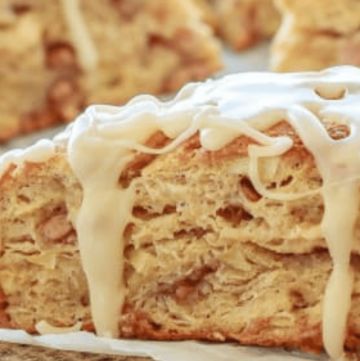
(83, 42)
(102, 141)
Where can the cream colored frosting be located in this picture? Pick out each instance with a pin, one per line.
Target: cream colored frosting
(102, 140)
(43, 327)
(84, 44)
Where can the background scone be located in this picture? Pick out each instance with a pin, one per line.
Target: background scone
(217, 215)
(241, 23)
(57, 56)
(317, 34)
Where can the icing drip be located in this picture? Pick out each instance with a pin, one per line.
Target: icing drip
(336, 161)
(44, 327)
(103, 140)
(83, 42)
(100, 224)
(106, 208)
(338, 225)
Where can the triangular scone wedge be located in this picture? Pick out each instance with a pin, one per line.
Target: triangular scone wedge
(210, 216)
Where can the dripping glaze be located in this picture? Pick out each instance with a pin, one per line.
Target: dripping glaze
(84, 44)
(220, 111)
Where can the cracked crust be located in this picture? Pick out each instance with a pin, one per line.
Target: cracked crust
(209, 260)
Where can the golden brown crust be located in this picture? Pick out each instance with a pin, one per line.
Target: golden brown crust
(308, 338)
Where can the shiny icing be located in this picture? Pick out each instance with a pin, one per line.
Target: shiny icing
(103, 139)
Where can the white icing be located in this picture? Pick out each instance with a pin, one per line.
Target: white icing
(39, 152)
(103, 139)
(43, 327)
(100, 231)
(84, 44)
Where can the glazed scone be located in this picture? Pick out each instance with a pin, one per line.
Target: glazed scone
(57, 56)
(16, 352)
(230, 212)
(316, 35)
(241, 23)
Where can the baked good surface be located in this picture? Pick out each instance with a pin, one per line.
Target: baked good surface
(316, 35)
(241, 23)
(15, 352)
(58, 56)
(227, 213)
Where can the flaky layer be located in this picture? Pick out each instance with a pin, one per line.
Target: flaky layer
(207, 257)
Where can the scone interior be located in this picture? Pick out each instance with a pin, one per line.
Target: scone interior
(227, 213)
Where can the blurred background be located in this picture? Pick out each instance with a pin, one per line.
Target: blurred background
(58, 56)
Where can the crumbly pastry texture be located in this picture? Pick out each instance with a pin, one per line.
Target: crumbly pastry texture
(227, 213)
(316, 35)
(58, 56)
(241, 23)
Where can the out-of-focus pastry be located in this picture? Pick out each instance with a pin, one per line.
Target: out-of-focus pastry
(57, 56)
(316, 34)
(241, 23)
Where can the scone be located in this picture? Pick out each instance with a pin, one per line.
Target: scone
(208, 13)
(241, 23)
(16, 352)
(316, 34)
(227, 213)
(57, 56)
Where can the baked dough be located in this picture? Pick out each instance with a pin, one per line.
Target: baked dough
(227, 213)
(57, 56)
(241, 23)
(316, 34)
